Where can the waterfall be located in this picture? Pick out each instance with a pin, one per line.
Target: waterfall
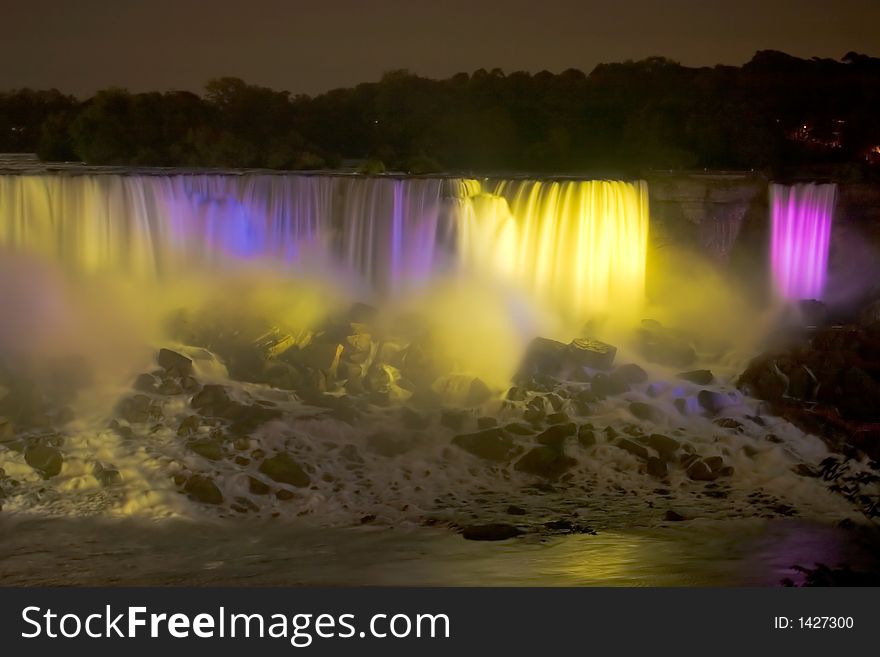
(801, 232)
(578, 246)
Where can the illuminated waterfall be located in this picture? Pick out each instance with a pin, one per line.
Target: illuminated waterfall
(576, 246)
(384, 232)
(801, 217)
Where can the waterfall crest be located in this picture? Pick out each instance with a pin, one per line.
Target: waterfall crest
(578, 246)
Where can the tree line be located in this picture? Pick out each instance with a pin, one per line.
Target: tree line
(774, 111)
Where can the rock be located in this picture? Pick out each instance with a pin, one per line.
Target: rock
(588, 352)
(645, 411)
(490, 444)
(543, 357)
(145, 383)
(715, 463)
(665, 446)
(700, 377)
(633, 448)
(557, 418)
(169, 387)
(188, 426)
(555, 436)
(519, 428)
(257, 487)
(207, 448)
(283, 469)
(424, 362)
(284, 495)
(545, 461)
(247, 418)
(664, 346)
(516, 394)
(201, 488)
(212, 399)
(673, 516)
(107, 475)
(728, 423)
(764, 379)
(321, 356)
(630, 373)
(514, 510)
(486, 422)
(243, 505)
(136, 409)
(586, 436)
(657, 467)
(698, 470)
(174, 363)
(605, 385)
(492, 532)
(45, 459)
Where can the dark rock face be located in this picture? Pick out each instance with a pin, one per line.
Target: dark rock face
(586, 436)
(543, 358)
(665, 446)
(633, 448)
(828, 384)
(700, 377)
(106, 474)
(589, 352)
(544, 461)
(174, 363)
(491, 532)
(45, 459)
(490, 444)
(202, 489)
(283, 469)
(645, 411)
(555, 435)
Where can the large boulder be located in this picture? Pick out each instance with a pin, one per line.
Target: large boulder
(45, 459)
(202, 488)
(490, 444)
(592, 353)
(174, 363)
(544, 461)
(285, 470)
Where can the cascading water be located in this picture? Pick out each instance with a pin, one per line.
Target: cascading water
(577, 246)
(268, 406)
(801, 233)
(384, 232)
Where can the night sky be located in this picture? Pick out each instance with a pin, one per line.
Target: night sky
(79, 46)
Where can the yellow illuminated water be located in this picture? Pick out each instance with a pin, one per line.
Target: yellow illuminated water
(578, 246)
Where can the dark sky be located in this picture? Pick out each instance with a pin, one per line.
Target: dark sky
(79, 46)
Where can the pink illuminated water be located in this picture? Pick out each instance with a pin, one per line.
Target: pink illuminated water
(801, 216)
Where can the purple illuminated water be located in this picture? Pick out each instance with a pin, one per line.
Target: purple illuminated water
(801, 216)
